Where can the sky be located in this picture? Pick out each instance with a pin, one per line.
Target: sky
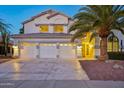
(16, 14)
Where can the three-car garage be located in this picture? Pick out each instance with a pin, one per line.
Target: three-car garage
(47, 50)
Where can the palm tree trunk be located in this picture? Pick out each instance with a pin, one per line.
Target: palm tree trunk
(103, 49)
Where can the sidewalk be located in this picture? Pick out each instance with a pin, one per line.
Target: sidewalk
(60, 84)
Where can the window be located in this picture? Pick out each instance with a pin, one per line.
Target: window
(58, 28)
(113, 44)
(44, 28)
(87, 52)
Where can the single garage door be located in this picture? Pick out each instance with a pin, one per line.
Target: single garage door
(67, 51)
(29, 50)
(48, 51)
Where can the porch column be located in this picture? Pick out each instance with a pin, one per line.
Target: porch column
(38, 50)
(19, 49)
(97, 47)
(79, 53)
(58, 50)
(11, 54)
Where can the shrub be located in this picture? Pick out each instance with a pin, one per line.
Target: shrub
(116, 55)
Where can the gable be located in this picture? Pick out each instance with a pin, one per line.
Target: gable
(47, 15)
(50, 21)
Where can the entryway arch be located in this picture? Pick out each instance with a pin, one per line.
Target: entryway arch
(113, 44)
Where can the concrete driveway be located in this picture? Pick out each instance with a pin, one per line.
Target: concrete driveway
(48, 73)
(42, 69)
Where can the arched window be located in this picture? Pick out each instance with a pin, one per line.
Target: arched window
(113, 44)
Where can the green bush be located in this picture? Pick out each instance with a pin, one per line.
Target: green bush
(116, 55)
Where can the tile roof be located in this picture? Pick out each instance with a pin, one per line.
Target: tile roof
(42, 35)
(51, 12)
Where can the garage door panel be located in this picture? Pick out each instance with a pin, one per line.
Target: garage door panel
(67, 52)
(29, 51)
(48, 52)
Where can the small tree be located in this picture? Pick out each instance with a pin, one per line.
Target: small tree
(22, 30)
(5, 33)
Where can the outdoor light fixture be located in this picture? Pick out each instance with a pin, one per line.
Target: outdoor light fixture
(79, 47)
(90, 45)
(15, 47)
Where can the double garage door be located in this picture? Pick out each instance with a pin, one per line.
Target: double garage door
(33, 50)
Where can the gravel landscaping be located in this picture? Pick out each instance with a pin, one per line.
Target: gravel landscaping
(110, 70)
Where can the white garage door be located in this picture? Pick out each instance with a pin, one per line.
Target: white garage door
(67, 51)
(29, 50)
(48, 51)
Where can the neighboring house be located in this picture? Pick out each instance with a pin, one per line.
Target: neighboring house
(10, 48)
(46, 36)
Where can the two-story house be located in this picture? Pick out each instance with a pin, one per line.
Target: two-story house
(46, 36)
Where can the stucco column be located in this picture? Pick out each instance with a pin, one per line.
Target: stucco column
(19, 49)
(97, 47)
(11, 51)
(51, 30)
(38, 49)
(58, 50)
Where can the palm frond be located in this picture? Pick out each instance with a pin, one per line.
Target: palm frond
(93, 35)
(85, 16)
(99, 18)
(77, 35)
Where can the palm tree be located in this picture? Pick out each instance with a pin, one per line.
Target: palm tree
(22, 30)
(4, 30)
(100, 20)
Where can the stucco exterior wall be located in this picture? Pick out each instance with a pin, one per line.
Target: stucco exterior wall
(54, 40)
(30, 27)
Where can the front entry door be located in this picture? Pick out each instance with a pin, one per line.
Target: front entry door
(87, 51)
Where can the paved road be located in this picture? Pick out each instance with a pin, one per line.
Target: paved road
(60, 84)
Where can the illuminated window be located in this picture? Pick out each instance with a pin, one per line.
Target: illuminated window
(58, 28)
(87, 52)
(44, 28)
(113, 44)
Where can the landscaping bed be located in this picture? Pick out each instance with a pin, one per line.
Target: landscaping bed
(116, 55)
(96, 70)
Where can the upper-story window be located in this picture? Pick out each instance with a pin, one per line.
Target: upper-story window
(58, 28)
(44, 28)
